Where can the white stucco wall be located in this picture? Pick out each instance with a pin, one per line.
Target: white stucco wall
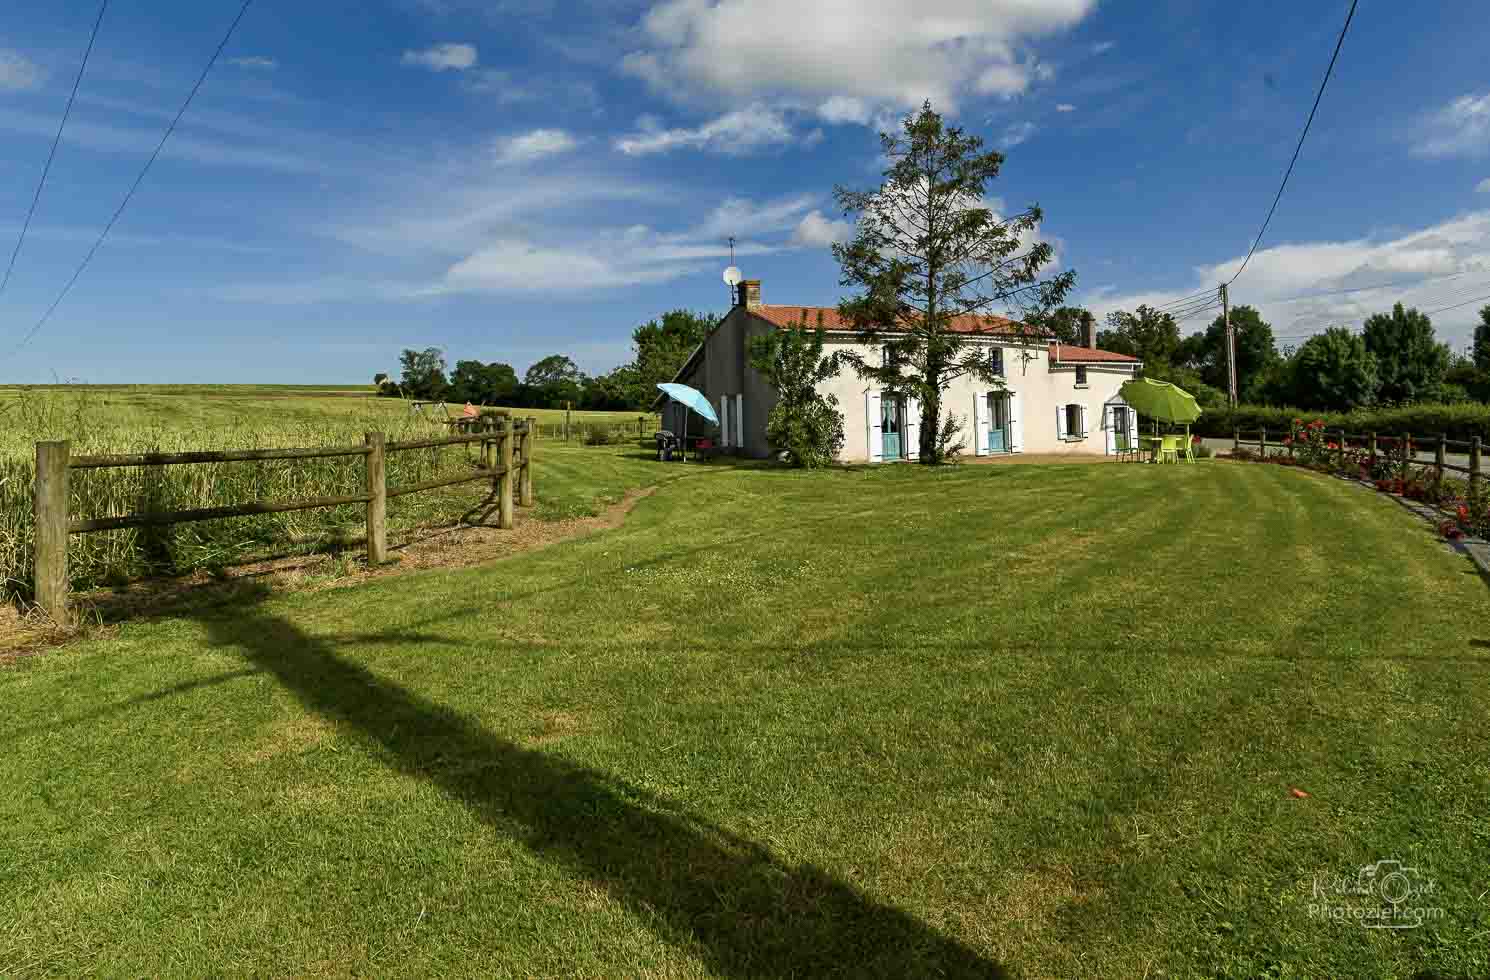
(1027, 371)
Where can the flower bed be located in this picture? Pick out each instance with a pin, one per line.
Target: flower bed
(1390, 470)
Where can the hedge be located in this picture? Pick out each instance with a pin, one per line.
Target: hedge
(1459, 421)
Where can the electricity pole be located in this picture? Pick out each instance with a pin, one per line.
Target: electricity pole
(1230, 348)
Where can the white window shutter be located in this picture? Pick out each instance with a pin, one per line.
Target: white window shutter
(980, 423)
(1016, 422)
(1109, 440)
(1060, 421)
(1132, 427)
(876, 437)
(740, 420)
(724, 421)
(1081, 414)
(912, 448)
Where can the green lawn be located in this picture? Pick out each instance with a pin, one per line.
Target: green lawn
(993, 720)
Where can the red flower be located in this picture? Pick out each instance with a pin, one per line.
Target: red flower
(1331, 445)
(1463, 513)
(1288, 440)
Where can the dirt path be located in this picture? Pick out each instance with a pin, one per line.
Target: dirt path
(459, 546)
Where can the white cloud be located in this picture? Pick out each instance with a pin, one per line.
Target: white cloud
(736, 133)
(895, 52)
(1379, 273)
(1065, 107)
(817, 231)
(443, 57)
(1019, 132)
(535, 145)
(19, 73)
(1102, 47)
(256, 62)
(844, 109)
(1461, 128)
(743, 217)
(1483, 186)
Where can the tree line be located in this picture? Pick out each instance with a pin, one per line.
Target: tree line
(659, 348)
(1395, 359)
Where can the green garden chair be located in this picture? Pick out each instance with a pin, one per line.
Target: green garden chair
(1169, 449)
(1184, 448)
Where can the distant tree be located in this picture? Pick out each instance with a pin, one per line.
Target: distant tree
(423, 374)
(1334, 371)
(1068, 324)
(926, 250)
(1255, 350)
(1146, 334)
(1480, 352)
(804, 423)
(380, 379)
(483, 384)
(661, 347)
(554, 380)
(614, 391)
(1409, 362)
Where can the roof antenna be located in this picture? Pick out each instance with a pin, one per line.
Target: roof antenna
(732, 274)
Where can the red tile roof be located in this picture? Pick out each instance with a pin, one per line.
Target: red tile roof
(790, 316)
(1069, 354)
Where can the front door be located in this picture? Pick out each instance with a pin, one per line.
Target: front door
(1120, 428)
(890, 419)
(998, 422)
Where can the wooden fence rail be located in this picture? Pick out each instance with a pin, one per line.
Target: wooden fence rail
(1406, 444)
(506, 458)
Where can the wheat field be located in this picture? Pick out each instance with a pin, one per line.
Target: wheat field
(118, 419)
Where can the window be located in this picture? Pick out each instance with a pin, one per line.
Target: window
(1073, 422)
(996, 360)
(1080, 376)
(888, 358)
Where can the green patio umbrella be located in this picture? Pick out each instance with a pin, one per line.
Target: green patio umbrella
(1161, 401)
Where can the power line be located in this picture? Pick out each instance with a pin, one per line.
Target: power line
(1185, 299)
(1364, 289)
(1468, 302)
(1307, 123)
(52, 153)
(139, 179)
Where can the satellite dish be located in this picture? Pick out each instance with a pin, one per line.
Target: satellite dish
(732, 276)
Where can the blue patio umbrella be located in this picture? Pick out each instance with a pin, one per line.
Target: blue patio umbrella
(689, 398)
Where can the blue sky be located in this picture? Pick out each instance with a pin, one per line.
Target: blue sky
(513, 178)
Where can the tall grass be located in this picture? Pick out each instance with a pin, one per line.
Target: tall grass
(115, 556)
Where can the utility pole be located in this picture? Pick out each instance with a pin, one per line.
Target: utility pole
(1230, 348)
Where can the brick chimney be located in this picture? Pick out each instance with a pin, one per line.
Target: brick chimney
(750, 293)
(1091, 331)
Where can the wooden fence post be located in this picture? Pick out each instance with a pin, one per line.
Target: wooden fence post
(1474, 470)
(1262, 441)
(525, 485)
(1236, 439)
(504, 481)
(1406, 452)
(566, 421)
(377, 506)
(50, 513)
(1340, 454)
(1438, 461)
(1373, 454)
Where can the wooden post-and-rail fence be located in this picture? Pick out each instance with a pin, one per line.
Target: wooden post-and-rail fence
(1408, 446)
(506, 458)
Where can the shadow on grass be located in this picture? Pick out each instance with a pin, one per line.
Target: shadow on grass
(715, 895)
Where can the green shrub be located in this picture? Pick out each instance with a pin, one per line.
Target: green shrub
(1457, 421)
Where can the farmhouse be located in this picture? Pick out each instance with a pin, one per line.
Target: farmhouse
(1056, 398)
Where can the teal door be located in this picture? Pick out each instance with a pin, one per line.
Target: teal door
(998, 422)
(890, 428)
